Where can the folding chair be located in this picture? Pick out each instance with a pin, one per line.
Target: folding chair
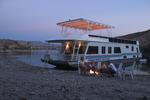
(129, 71)
(120, 70)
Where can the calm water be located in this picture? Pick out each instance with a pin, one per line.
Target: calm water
(33, 58)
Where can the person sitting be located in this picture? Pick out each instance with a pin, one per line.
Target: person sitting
(82, 65)
(92, 66)
(112, 69)
(104, 69)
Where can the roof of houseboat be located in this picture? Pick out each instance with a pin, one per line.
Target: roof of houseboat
(84, 24)
(94, 38)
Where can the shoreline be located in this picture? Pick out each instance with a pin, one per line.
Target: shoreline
(20, 81)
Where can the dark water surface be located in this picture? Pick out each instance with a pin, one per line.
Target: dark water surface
(34, 58)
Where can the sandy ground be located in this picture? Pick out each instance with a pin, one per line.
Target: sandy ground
(19, 81)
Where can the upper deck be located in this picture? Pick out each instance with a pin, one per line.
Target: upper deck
(116, 40)
(94, 38)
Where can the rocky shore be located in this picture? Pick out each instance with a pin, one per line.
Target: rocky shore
(20, 81)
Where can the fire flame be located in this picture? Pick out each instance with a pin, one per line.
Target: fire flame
(91, 71)
(96, 73)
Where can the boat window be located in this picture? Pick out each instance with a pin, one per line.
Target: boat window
(117, 50)
(132, 48)
(137, 50)
(92, 50)
(124, 57)
(103, 50)
(109, 50)
(68, 47)
(127, 46)
(121, 41)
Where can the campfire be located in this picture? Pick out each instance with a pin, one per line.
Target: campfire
(93, 72)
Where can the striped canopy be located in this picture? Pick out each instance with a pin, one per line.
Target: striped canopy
(84, 24)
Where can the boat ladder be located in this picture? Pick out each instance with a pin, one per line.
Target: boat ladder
(75, 52)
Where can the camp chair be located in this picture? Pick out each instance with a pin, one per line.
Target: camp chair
(79, 70)
(120, 70)
(129, 70)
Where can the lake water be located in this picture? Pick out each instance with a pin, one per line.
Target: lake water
(34, 58)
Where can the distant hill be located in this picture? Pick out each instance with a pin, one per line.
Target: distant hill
(10, 45)
(144, 39)
(7, 44)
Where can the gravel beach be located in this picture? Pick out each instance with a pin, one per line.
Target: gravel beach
(20, 81)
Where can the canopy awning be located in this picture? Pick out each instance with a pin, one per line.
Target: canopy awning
(84, 24)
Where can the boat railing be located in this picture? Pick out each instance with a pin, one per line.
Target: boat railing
(67, 57)
(62, 57)
(71, 57)
(140, 55)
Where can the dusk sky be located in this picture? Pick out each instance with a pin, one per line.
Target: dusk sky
(36, 19)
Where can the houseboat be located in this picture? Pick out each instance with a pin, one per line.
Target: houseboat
(92, 47)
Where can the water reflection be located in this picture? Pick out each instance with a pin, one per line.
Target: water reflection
(33, 58)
